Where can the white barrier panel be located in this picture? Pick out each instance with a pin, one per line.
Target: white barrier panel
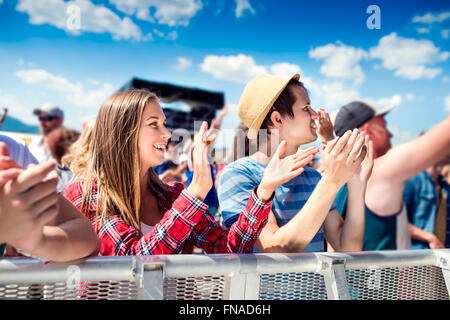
(392, 275)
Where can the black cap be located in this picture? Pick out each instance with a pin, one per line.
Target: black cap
(354, 115)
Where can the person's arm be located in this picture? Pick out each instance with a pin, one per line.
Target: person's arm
(42, 214)
(212, 237)
(241, 237)
(27, 201)
(425, 236)
(167, 237)
(408, 159)
(2, 119)
(348, 235)
(385, 188)
(295, 235)
(341, 161)
(69, 236)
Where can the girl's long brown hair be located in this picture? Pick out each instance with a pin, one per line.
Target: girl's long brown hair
(114, 159)
(78, 157)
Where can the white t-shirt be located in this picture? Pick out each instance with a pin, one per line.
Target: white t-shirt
(39, 150)
(145, 228)
(18, 151)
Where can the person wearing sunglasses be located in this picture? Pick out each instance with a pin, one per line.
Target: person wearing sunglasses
(50, 117)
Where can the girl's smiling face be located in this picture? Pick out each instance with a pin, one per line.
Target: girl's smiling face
(153, 136)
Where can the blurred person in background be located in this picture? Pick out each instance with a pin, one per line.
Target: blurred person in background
(2, 119)
(385, 214)
(79, 152)
(50, 118)
(427, 200)
(58, 142)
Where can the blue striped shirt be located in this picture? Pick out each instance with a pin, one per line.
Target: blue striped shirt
(238, 180)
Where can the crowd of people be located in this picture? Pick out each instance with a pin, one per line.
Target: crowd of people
(119, 188)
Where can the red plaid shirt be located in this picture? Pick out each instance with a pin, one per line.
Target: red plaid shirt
(186, 223)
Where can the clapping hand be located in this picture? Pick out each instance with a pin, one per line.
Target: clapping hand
(281, 170)
(367, 164)
(28, 199)
(202, 179)
(343, 156)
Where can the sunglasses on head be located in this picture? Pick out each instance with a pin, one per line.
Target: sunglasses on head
(47, 118)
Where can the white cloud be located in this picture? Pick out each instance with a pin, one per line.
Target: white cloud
(430, 18)
(12, 103)
(75, 93)
(171, 36)
(182, 64)
(336, 94)
(445, 79)
(409, 58)
(240, 68)
(433, 21)
(18, 106)
(242, 6)
(22, 63)
(340, 61)
(284, 69)
(410, 96)
(167, 12)
(447, 103)
(423, 30)
(384, 102)
(92, 18)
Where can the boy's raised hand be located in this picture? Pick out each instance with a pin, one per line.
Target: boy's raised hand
(281, 170)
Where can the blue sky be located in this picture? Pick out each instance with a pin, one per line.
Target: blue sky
(47, 54)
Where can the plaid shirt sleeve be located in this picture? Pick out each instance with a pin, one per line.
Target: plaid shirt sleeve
(167, 237)
(212, 237)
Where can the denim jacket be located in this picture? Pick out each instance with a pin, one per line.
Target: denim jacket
(420, 200)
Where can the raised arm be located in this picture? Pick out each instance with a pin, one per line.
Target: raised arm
(300, 230)
(69, 236)
(391, 171)
(408, 159)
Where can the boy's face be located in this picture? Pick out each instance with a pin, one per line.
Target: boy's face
(301, 129)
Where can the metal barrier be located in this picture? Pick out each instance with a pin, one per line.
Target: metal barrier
(394, 275)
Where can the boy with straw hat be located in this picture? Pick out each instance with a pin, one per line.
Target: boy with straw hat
(303, 213)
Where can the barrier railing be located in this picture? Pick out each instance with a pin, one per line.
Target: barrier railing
(396, 275)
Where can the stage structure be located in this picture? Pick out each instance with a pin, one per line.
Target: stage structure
(182, 105)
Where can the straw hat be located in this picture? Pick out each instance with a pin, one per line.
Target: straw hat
(258, 97)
